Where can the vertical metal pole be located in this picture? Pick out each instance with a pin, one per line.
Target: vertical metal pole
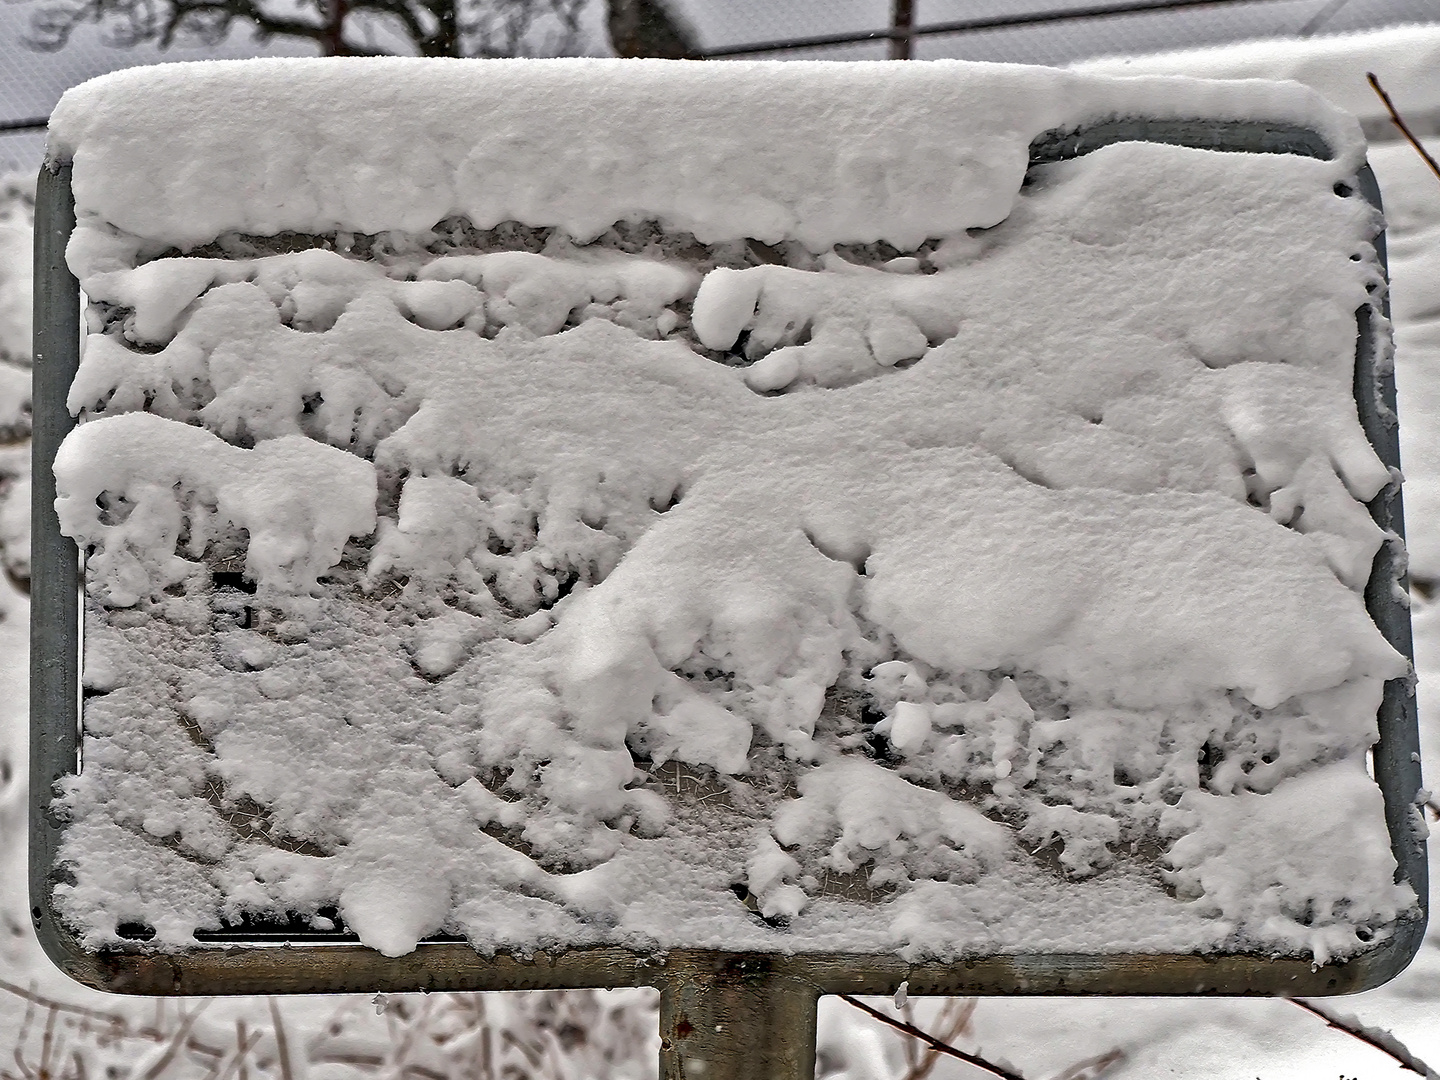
(728, 1017)
(55, 562)
(902, 22)
(333, 40)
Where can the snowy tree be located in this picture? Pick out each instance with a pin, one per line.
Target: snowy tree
(649, 28)
(16, 221)
(337, 27)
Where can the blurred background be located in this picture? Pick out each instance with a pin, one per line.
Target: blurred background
(47, 46)
(51, 1029)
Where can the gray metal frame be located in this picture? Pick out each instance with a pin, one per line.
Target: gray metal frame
(748, 1014)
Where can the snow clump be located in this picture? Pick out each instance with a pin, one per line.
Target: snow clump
(549, 532)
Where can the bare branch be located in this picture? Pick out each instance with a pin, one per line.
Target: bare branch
(51, 27)
(210, 20)
(396, 8)
(1379, 1038)
(37, 998)
(181, 1036)
(953, 1021)
(1093, 1068)
(47, 1042)
(1399, 123)
(932, 1042)
(244, 1043)
(433, 27)
(282, 1044)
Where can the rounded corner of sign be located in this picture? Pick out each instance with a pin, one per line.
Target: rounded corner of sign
(1397, 953)
(66, 953)
(1373, 968)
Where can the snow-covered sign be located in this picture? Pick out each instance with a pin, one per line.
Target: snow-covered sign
(874, 522)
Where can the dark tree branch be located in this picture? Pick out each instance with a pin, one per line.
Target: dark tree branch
(1377, 1037)
(334, 40)
(650, 28)
(932, 1042)
(1399, 123)
(953, 1021)
(396, 9)
(50, 28)
(211, 19)
(1092, 1068)
(433, 27)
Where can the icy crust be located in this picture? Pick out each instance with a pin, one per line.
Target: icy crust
(822, 153)
(570, 614)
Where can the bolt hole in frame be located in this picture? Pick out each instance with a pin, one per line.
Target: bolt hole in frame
(753, 1013)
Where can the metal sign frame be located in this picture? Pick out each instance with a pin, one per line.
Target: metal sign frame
(749, 1014)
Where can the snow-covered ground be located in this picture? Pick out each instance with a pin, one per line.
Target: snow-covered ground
(1239, 1039)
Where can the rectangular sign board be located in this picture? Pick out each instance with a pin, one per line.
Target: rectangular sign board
(622, 539)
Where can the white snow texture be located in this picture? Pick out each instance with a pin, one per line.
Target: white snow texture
(636, 484)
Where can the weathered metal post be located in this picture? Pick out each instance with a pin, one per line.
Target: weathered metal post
(731, 1017)
(902, 23)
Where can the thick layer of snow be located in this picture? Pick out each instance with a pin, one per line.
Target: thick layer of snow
(821, 153)
(858, 581)
(1405, 59)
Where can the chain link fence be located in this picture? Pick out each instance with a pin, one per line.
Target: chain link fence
(1021, 31)
(1017, 31)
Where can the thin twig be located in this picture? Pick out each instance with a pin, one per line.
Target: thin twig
(115, 1025)
(47, 1042)
(243, 1041)
(1399, 123)
(932, 1042)
(181, 1036)
(36, 998)
(1381, 1040)
(282, 1044)
(158, 1027)
(953, 1021)
(30, 1003)
(1321, 17)
(1092, 1068)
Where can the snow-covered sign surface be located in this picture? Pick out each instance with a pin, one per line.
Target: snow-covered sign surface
(739, 506)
